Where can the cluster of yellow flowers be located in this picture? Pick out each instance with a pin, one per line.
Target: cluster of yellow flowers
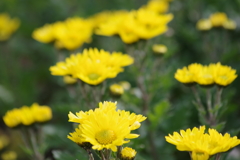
(144, 23)
(27, 115)
(93, 66)
(202, 145)
(69, 34)
(7, 26)
(206, 75)
(104, 127)
(218, 19)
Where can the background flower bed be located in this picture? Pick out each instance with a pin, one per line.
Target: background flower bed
(25, 63)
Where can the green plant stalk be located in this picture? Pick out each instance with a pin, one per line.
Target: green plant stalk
(37, 154)
(90, 155)
(211, 118)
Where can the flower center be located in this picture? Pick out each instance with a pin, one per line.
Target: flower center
(105, 137)
(93, 76)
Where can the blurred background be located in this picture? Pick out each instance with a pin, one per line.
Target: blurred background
(25, 77)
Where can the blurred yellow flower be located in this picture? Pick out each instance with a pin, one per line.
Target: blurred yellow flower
(206, 75)
(184, 75)
(12, 118)
(69, 80)
(66, 33)
(7, 26)
(104, 127)
(134, 25)
(223, 75)
(27, 115)
(204, 24)
(41, 113)
(116, 89)
(93, 66)
(9, 155)
(128, 153)
(159, 48)
(202, 144)
(230, 24)
(218, 19)
(159, 6)
(44, 34)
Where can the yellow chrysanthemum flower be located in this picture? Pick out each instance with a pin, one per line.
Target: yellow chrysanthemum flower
(93, 66)
(128, 153)
(44, 34)
(204, 24)
(116, 89)
(159, 6)
(218, 19)
(184, 76)
(66, 33)
(204, 76)
(202, 144)
(105, 127)
(134, 25)
(7, 26)
(27, 115)
(159, 48)
(223, 75)
(12, 118)
(41, 113)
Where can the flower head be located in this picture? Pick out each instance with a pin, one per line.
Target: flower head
(159, 48)
(7, 26)
(93, 66)
(128, 153)
(27, 115)
(218, 19)
(204, 24)
(202, 144)
(104, 127)
(116, 89)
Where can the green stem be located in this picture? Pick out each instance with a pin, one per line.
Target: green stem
(119, 150)
(90, 154)
(218, 103)
(218, 156)
(211, 119)
(35, 148)
(198, 100)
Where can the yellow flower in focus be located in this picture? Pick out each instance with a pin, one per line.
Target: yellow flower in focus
(44, 34)
(78, 139)
(229, 24)
(69, 80)
(202, 144)
(116, 89)
(184, 76)
(9, 155)
(204, 24)
(223, 75)
(128, 153)
(159, 6)
(12, 118)
(159, 48)
(41, 113)
(104, 127)
(93, 66)
(7, 26)
(218, 19)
